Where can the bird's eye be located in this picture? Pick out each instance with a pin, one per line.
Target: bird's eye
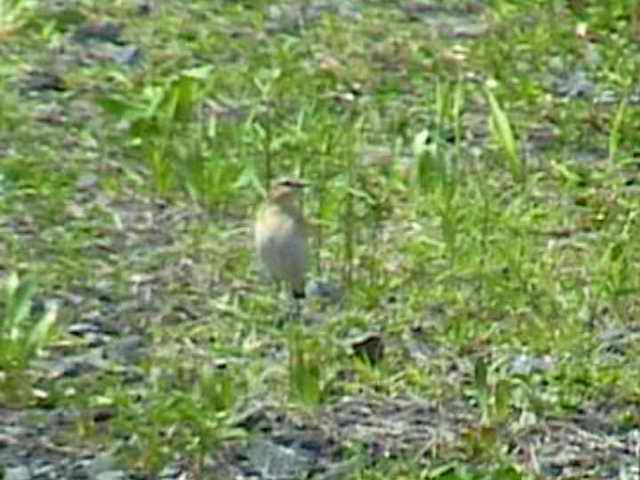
(290, 183)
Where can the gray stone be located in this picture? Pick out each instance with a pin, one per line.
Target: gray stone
(16, 473)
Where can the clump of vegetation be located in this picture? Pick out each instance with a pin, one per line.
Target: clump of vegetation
(473, 191)
(22, 333)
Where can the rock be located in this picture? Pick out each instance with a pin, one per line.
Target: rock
(100, 31)
(16, 473)
(369, 347)
(324, 289)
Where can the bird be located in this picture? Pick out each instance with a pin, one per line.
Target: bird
(280, 237)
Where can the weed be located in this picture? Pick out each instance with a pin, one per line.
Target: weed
(22, 334)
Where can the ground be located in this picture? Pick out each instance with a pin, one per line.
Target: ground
(473, 307)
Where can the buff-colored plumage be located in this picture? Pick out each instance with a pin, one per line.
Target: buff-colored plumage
(280, 237)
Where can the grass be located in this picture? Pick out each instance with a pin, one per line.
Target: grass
(453, 201)
(21, 337)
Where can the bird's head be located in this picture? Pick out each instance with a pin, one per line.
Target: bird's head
(285, 191)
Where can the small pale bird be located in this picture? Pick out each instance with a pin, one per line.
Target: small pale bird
(281, 241)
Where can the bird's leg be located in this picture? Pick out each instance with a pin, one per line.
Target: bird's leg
(296, 312)
(293, 300)
(283, 299)
(298, 296)
(293, 309)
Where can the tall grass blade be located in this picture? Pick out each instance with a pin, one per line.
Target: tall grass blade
(502, 132)
(614, 133)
